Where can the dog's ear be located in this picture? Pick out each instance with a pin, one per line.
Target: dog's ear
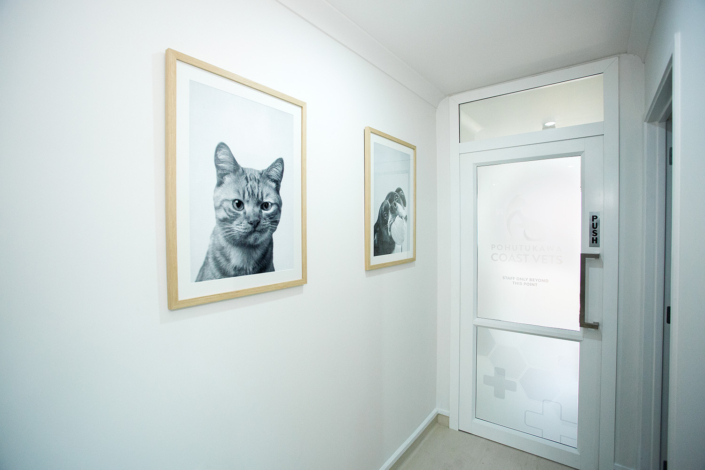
(401, 196)
(384, 211)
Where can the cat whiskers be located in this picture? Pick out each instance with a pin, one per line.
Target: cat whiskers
(239, 229)
(270, 223)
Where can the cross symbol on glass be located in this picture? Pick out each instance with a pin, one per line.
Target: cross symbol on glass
(551, 423)
(499, 383)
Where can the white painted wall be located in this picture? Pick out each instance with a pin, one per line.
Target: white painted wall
(95, 372)
(679, 26)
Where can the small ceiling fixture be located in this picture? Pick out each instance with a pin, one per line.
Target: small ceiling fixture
(549, 125)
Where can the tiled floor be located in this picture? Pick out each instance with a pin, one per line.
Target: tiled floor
(443, 449)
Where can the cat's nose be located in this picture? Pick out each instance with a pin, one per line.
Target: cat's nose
(254, 223)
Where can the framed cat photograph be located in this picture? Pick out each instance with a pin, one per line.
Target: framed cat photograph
(235, 185)
(390, 200)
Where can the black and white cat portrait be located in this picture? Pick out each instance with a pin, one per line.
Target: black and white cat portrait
(239, 209)
(390, 227)
(248, 208)
(236, 211)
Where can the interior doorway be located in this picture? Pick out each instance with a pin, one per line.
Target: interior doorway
(537, 244)
(666, 321)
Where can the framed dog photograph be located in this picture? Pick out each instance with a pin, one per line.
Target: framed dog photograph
(390, 200)
(235, 185)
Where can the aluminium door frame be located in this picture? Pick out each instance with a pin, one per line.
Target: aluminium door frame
(610, 130)
(590, 149)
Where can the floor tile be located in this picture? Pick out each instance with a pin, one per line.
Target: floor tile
(444, 449)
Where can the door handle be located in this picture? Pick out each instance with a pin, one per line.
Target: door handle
(583, 323)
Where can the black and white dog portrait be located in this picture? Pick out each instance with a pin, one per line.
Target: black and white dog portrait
(390, 228)
(390, 200)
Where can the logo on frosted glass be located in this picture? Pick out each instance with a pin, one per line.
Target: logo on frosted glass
(519, 225)
(525, 231)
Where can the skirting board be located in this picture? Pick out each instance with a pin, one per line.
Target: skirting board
(407, 443)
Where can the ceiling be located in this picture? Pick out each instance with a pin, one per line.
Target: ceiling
(459, 45)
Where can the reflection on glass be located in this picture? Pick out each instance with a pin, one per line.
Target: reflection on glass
(528, 216)
(528, 383)
(565, 104)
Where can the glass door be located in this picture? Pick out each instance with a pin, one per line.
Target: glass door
(531, 297)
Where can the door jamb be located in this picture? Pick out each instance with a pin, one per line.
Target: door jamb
(654, 247)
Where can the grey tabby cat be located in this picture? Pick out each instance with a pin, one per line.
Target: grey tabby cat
(247, 211)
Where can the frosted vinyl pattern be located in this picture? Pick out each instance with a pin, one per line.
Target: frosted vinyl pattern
(567, 104)
(529, 219)
(528, 383)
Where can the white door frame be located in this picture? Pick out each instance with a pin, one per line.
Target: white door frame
(610, 129)
(655, 160)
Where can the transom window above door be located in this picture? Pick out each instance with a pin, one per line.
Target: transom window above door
(564, 104)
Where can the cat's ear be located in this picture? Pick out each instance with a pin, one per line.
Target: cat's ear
(275, 172)
(224, 161)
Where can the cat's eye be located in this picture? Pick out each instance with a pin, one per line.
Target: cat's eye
(238, 205)
(266, 206)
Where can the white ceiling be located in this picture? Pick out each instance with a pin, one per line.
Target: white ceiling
(459, 45)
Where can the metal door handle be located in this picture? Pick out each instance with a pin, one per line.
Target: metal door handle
(583, 323)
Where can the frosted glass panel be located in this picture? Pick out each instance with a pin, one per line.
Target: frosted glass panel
(563, 104)
(528, 383)
(529, 219)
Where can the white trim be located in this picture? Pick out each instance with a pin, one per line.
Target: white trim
(530, 138)
(662, 100)
(407, 443)
(454, 379)
(610, 68)
(547, 332)
(654, 247)
(335, 24)
(654, 244)
(535, 81)
(443, 412)
(608, 326)
(550, 450)
(621, 467)
(674, 370)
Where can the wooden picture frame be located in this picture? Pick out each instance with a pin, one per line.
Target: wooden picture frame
(209, 111)
(390, 200)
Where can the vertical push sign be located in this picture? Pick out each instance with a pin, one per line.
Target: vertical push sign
(594, 232)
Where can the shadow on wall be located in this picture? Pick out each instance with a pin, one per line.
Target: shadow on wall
(390, 269)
